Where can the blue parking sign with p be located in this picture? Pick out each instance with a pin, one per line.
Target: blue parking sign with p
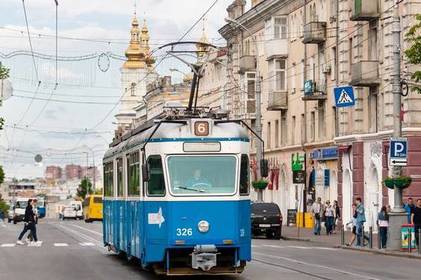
(398, 151)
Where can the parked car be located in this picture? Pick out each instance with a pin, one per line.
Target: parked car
(17, 210)
(266, 219)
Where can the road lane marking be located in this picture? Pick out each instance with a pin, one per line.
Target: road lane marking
(35, 244)
(8, 245)
(86, 244)
(360, 276)
(61, 245)
(91, 231)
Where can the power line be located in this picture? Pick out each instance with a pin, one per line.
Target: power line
(29, 39)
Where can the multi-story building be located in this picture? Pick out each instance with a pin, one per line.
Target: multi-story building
(300, 51)
(73, 172)
(53, 172)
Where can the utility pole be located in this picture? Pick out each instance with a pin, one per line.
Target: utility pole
(398, 216)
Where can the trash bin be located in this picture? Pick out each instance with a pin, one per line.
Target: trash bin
(308, 218)
(408, 241)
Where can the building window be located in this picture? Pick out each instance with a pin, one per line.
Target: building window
(251, 92)
(278, 72)
(133, 89)
(277, 134)
(269, 136)
(312, 126)
(133, 174)
(321, 121)
(333, 63)
(294, 126)
(276, 28)
(156, 183)
(284, 133)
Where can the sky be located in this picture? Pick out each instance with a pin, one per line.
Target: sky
(78, 120)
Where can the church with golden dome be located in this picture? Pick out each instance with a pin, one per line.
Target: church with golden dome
(136, 72)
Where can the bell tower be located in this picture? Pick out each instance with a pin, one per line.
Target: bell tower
(136, 72)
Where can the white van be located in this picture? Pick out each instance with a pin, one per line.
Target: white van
(17, 210)
(73, 211)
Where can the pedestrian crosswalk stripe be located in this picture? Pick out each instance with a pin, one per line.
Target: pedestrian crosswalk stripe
(35, 244)
(61, 244)
(87, 244)
(8, 245)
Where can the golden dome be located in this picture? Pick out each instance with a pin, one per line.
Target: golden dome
(138, 49)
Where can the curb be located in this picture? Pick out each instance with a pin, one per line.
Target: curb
(295, 239)
(379, 252)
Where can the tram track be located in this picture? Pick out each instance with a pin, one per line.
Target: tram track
(292, 269)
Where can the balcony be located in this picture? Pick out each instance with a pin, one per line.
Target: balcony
(278, 100)
(365, 10)
(276, 48)
(365, 73)
(314, 32)
(318, 91)
(247, 63)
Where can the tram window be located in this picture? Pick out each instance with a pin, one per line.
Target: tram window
(156, 183)
(244, 175)
(133, 174)
(202, 175)
(108, 179)
(120, 187)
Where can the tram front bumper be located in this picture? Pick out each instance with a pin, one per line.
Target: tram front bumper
(204, 257)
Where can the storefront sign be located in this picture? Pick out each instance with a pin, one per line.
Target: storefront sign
(324, 154)
(297, 162)
(299, 177)
(291, 217)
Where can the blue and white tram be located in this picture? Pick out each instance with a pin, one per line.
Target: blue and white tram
(176, 196)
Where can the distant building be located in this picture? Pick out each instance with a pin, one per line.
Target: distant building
(73, 172)
(53, 172)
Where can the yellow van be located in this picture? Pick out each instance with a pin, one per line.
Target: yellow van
(92, 208)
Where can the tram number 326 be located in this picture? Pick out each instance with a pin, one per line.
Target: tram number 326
(184, 232)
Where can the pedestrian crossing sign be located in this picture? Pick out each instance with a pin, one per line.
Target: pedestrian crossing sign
(344, 96)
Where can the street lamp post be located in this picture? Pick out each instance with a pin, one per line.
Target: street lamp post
(259, 148)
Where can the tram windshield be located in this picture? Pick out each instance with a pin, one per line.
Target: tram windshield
(202, 174)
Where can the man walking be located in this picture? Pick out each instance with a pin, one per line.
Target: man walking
(416, 220)
(360, 222)
(409, 207)
(29, 223)
(316, 210)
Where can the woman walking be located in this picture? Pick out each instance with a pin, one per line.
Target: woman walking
(337, 215)
(383, 224)
(29, 223)
(329, 217)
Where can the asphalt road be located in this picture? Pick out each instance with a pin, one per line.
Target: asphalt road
(73, 250)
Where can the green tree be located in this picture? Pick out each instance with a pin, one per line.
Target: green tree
(1, 175)
(413, 53)
(85, 188)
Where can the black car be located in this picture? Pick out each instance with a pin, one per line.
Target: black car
(266, 218)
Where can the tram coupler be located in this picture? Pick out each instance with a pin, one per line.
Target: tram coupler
(204, 257)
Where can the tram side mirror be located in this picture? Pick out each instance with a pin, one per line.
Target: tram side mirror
(264, 168)
(145, 173)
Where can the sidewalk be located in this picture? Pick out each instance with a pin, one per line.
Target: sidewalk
(334, 240)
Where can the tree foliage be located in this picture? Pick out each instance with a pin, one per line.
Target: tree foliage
(1, 175)
(85, 188)
(413, 53)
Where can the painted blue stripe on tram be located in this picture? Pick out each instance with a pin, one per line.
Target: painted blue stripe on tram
(227, 139)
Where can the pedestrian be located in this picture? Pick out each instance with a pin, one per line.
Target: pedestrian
(329, 214)
(383, 224)
(30, 237)
(360, 222)
(337, 214)
(29, 223)
(409, 207)
(353, 223)
(416, 221)
(316, 210)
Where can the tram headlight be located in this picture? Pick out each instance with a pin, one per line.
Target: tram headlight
(203, 226)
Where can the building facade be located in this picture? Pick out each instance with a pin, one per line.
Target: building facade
(53, 173)
(301, 51)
